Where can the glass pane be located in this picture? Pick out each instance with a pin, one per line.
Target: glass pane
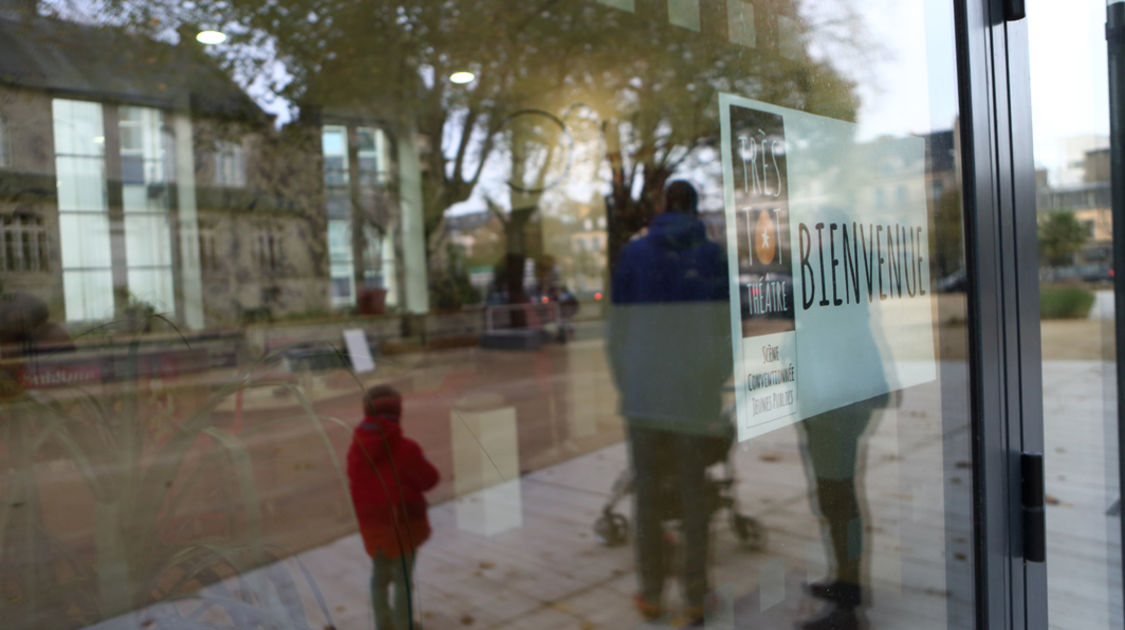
(1074, 213)
(89, 295)
(81, 184)
(365, 136)
(78, 128)
(153, 288)
(85, 239)
(146, 241)
(340, 241)
(595, 314)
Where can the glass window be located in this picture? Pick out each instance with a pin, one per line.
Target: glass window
(230, 164)
(370, 155)
(592, 314)
(88, 294)
(145, 202)
(341, 254)
(1080, 413)
(208, 250)
(23, 243)
(83, 209)
(335, 145)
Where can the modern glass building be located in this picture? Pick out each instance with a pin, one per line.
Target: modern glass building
(589, 314)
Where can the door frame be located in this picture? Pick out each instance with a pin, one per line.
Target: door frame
(1002, 261)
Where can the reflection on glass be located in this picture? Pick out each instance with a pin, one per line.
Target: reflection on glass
(670, 357)
(1075, 223)
(204, 250)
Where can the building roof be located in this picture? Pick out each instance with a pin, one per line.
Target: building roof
(109, 65)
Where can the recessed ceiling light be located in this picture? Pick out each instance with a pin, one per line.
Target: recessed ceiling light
(462, 77)
(210, 37)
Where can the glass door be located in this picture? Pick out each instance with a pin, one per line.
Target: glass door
(1076, 194)
(496, 314)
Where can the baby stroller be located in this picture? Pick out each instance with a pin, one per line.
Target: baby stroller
(612, 527)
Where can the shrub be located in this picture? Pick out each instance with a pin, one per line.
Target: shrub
(1064, 302)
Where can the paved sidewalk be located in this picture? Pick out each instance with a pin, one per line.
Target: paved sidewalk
(1103, 305)
(522, 554)
(547, 570)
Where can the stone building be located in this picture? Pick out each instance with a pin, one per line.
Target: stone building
(135, 174)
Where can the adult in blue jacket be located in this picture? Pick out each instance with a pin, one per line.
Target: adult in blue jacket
(669, 350)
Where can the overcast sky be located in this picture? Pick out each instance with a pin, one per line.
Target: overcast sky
(1068, 71)
(1069, 75)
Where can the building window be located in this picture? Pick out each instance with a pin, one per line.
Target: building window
(267, 250)
(230, 164)
(145, 203)
(84, 217)
(208, 253)
(23, 243)
(84, 235)
(371, 156)
(341, 258)
(334, 144)
(356, 258)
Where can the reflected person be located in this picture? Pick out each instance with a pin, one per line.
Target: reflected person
(26, 329)
(833, 446)
(387, 476)
(669, 350)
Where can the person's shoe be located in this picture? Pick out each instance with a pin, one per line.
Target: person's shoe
(835, 617)
(694, 617)
(843, 593)
(694, 622)
(648, 610)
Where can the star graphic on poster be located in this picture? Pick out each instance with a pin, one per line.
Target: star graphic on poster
(765, 239)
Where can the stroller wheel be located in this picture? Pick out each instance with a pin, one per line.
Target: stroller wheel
(612, 529)
(749, 532)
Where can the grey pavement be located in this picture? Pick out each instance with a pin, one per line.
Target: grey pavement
(1103, 305)
(521, 553)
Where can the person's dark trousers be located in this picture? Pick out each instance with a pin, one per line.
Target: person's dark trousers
(833, 444)
(839, 505)
(668, 481)
(392, 612)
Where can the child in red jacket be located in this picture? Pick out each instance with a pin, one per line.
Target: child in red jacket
(387, 474)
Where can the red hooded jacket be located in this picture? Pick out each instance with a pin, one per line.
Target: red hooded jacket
(387, 474)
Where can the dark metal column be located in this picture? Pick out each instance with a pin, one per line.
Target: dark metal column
(1115, 45)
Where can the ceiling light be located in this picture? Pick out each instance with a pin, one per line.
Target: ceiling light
(462, 77)
(210, 37)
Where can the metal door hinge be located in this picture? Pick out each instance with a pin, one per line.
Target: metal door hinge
(1014, 10)
(1031, 502)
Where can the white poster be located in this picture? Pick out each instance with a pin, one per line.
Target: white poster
(355, 339)
(828, 249)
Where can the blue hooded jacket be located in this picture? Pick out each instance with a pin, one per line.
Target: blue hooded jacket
(669, 327)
